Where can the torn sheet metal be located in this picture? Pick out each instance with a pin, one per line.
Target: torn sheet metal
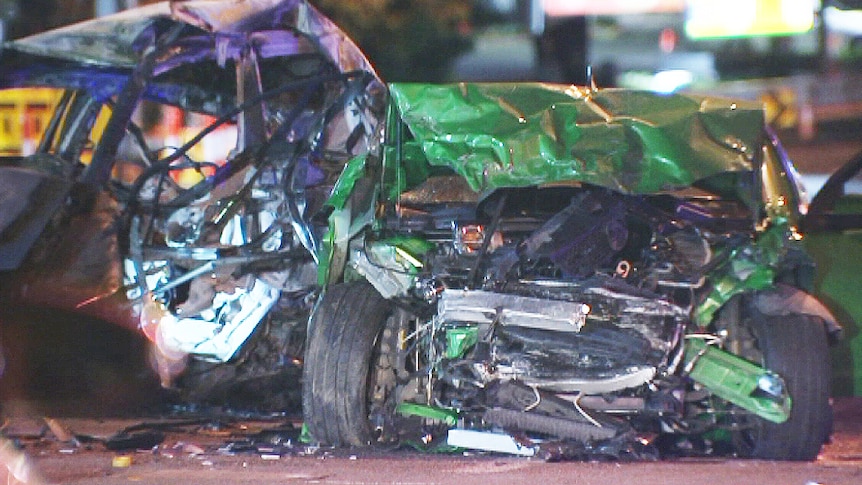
(99, 55)
(745, 384)
(488, 441)
(217, 337)
(510, 135)
(487, 307)
(119, 40)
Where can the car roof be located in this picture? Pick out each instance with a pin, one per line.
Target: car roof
(118, 40)
(99, 54)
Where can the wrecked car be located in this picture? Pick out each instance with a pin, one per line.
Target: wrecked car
(512, 267)
(533, 267)
(186, 150)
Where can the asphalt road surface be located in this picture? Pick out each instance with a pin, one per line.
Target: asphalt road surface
(208, 454)
(71, 385)
(92, 380)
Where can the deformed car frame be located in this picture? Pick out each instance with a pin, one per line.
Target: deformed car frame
(522, 266)
(548, 263)
(210, 257)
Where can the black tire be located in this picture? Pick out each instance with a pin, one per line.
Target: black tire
(795, 347)
(342, 340)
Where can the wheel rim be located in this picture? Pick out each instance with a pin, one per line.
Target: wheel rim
(383, 379)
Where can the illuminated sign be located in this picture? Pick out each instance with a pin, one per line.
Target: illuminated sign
(716, 19)
(566, 8)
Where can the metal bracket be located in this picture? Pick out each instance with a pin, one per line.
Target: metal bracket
(737, 380)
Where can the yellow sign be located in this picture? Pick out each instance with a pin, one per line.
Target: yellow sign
(24, 115)
(713, 19)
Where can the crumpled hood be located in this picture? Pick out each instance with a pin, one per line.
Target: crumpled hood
(504, 135)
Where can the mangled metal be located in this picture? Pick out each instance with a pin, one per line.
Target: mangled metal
(530, 268)
(504, 135)
(565, 264)
(738, 380)
(215, 249)
(237, 238)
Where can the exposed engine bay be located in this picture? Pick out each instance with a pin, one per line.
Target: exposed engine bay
(219, 264)
(526, 261)
(558, 323)
(232, 255)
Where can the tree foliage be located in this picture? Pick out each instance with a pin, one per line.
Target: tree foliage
(406, 40)
(28, 17)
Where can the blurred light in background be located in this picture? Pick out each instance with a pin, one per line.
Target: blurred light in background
(564, 8)
(672, 80)
(715, 19)
(843, 21)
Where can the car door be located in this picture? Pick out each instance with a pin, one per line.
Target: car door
(36, 181)
(832, 231)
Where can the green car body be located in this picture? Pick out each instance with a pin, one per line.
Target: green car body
(833, 238)
(513, 135)
(463, 145)
(554, 263)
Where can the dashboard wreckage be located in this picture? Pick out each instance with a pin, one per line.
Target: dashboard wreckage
(516, 267)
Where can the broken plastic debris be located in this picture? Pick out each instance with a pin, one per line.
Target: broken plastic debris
(134, 441)
(59, 430)
(189, 448)
(488, 441)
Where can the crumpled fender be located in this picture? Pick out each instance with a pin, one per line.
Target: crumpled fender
(785, 300)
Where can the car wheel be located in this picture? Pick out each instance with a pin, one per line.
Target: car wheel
(795, 347)
(348, 374)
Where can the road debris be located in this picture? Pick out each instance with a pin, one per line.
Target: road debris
(140, 440)
(60, 431)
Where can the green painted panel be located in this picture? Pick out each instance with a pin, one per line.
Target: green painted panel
(838, 284)
(508, 135)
